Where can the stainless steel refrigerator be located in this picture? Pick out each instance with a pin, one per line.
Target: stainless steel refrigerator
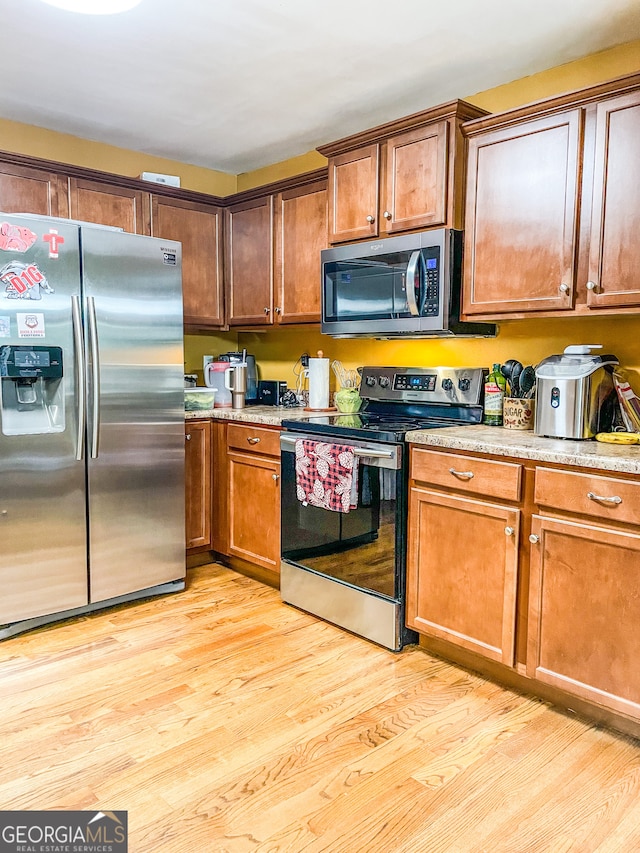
(91, 419)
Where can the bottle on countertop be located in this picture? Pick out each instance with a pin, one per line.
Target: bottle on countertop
(495, 389)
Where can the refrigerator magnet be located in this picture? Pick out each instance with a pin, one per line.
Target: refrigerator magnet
(30, 325)
(16, 238)
(54, 240)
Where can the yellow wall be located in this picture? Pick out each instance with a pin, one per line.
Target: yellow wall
(64, 148)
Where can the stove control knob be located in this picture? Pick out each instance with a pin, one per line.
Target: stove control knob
(383, 381)
(447, 384)
(464, 384)
(370, 381)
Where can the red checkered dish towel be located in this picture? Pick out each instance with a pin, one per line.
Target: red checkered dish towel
(326, 475)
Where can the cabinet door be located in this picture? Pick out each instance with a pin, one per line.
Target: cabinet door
(614, 257)
(462, 572)
(254, 509)
(301, 233)
(521, 215)
(107, 204)
(199, 228)
(249, 262)
(198, 483)
(416, 179)
(26, 190)
(353, 194)
(584, 612)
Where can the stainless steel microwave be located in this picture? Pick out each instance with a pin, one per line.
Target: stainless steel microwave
(407, 286)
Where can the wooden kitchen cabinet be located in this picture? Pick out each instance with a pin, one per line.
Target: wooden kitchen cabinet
(199, 228)
(253, 495)
(549, 214)
(462, 561)
(273, 240)
(26, 189)
(584, 609)
(399, 177)
(109, 204)
(198, 483)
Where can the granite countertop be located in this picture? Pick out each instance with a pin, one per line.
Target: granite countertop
(622, 458)
(270, 415)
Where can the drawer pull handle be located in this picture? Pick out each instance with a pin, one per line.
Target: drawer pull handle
(534, 539)
(253, 440)
(612, 500)
(464, 475)
(509, 531)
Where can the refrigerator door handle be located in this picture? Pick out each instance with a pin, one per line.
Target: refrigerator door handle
(95, 376)
(81, 376)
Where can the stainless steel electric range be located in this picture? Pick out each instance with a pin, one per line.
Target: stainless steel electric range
(348, 568)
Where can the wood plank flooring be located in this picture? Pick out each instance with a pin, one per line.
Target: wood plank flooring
(225, 721)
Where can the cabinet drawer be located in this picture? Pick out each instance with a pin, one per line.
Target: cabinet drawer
(606, 498)
(467, 473)
(254, 439)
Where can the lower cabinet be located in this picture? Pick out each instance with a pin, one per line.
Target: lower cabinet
(250, 489)
(558, 562)
(462, 571)
(198, 471)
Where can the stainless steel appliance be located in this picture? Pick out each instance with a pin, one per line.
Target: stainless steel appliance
(575, 395)
(406, 286)
(349, 568)
(91, 419)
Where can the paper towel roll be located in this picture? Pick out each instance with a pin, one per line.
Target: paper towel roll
(318, 383)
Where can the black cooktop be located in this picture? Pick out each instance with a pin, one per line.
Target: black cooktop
(389, 426)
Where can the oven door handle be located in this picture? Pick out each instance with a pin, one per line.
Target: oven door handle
(286, 442)
(414, 268)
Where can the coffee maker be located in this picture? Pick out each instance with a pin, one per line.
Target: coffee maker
(251, 395)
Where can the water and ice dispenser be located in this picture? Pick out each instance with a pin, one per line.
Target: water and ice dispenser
(31, 390)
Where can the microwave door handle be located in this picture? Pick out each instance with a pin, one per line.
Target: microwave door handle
(413, 268)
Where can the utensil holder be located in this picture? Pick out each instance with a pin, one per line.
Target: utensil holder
(518, 412)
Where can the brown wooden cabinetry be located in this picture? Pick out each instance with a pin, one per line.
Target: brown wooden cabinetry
(585, 570)
(109, 204)
(398, 177)
(462, 561)
(253, 495)
(27, 189)
(198, 472)
(199, 228)
(273, 242)
(549, 215)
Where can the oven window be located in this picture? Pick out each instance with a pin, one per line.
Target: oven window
(368, 289)
(361, 547)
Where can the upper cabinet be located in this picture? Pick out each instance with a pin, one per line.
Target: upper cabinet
(550, 220)
(108, 204)
(24, 189)
(199, 228)
(399, 177)
(272, 257)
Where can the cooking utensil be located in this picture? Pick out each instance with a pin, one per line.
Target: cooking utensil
(527, 380)
(511, 371)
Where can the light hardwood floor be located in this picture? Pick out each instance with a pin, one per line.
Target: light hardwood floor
(223, 720)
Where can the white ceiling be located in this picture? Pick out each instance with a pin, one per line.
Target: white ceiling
(235, 85)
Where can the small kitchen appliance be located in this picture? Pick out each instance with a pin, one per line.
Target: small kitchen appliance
(575, 395)
(349, 568)
(270, 392)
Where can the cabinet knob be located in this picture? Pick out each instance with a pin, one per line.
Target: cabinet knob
(267, 310)
(387, 214)
(564, 288)
(187, 438)
(275, 477)
(509, 531)
(591, 285)
(277, 309)
(253, 440)
(534, 539)
(371, 219)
